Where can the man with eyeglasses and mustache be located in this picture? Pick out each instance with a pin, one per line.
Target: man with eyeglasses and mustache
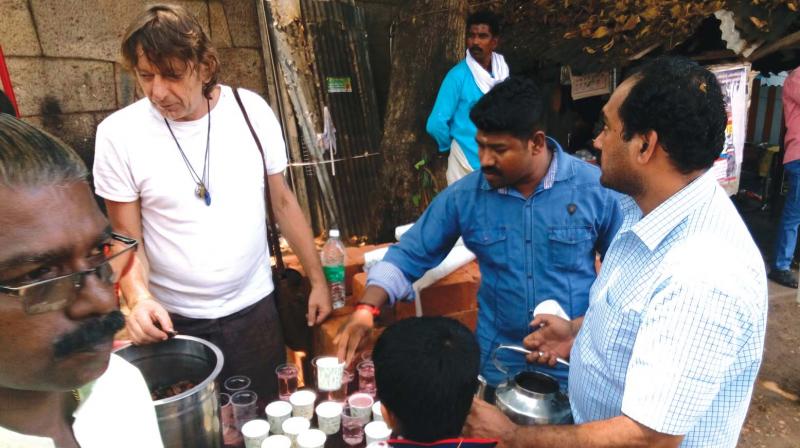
(534, 216)
(464, 85)
(59, 384)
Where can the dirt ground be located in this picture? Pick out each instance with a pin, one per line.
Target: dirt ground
(774, 417)
(773, 420)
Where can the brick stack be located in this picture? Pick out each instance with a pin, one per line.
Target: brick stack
(453, 296)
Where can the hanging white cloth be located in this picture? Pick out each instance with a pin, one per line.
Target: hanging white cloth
(484, 79)
(457, 164)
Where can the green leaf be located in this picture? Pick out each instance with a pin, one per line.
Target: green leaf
(420, 164)
(415, 199)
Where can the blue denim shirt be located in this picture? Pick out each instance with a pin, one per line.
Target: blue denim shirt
(529, 250)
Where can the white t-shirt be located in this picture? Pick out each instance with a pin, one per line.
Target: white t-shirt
(205, 261)
(115, 410)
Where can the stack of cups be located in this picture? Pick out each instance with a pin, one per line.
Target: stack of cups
(329, 417)
(277, 413)
(293, 426)
(254, 433)
(277, 441)
(311, 438)
(377, 432)
(329, 373)
(302, 403)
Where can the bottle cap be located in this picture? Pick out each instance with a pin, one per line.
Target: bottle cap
(333, 233)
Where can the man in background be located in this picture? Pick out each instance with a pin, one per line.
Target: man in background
(449, 123)
(790, 219)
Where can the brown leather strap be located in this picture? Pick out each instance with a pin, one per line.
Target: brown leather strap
(272, 230)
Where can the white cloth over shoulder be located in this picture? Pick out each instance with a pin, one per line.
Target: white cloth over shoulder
(484, 79)
(457, 164)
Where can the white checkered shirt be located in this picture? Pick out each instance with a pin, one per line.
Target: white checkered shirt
(674, 334)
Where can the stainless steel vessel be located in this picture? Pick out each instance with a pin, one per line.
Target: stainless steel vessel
(530, 398)
(190, 419)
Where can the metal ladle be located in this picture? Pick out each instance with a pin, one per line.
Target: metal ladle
(525, 351)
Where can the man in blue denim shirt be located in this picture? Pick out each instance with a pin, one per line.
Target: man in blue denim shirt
(534, 216)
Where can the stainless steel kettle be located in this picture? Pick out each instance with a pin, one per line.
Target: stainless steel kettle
(530, 398)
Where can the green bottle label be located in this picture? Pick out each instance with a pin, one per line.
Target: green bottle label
(334, 273)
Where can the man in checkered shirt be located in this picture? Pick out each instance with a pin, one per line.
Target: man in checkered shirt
(671, 344)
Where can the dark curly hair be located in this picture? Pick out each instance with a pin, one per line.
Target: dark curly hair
(683, 103)
(485, 17)
(514, 106)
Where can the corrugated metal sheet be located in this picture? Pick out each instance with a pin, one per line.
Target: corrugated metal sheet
(337, 30)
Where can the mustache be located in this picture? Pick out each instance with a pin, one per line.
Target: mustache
(475, 49)
(490, 170)
(89, 334)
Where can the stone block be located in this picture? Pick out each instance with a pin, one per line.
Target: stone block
(243, 67)
(59, 86)
(77, 130)
(220, 32)
(17, 31)
(243, 23)
(127, 88)
(73, 28)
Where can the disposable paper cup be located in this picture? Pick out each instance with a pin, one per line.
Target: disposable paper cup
(277, 441)
(377, 432)
(294, 426)
(329, 373)
(311, 438)
(254, 432)
(362, 406)
(329, 417)
(277, 413)
(377, 414)
(303, 403)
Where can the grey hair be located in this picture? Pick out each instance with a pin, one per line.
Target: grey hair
(30, 157)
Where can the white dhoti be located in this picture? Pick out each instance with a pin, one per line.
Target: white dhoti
(457, 164)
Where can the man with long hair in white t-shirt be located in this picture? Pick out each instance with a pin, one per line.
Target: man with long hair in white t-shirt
(181, 171)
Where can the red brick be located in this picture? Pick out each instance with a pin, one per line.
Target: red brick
(468, 318)
(453, 293)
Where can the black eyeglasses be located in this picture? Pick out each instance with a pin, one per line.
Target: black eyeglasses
(56, 293)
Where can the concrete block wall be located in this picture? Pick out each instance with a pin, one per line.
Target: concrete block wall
(65, 65)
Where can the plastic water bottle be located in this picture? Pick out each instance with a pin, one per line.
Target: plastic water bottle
(333, 266)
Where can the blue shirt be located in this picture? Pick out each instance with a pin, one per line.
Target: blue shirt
(449, 118)
(674, 334)
(529, 250)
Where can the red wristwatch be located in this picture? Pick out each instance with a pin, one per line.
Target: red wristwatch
(374, 310)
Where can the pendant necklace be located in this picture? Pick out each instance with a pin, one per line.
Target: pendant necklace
(203, 184)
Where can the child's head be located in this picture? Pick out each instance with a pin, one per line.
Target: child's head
(426, 370)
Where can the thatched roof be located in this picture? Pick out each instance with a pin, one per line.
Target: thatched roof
(590, 35)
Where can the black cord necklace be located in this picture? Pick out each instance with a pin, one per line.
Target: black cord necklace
(203, 183)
